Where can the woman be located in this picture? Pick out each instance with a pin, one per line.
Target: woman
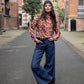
(46, 25)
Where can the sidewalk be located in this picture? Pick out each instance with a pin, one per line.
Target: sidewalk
(75, 40)
(10, 35)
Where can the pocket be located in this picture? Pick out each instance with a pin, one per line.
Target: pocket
(50, 41)
(39, 45)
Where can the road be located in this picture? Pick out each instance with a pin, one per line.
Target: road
(16, 56)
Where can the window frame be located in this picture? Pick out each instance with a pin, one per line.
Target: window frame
(79, 4)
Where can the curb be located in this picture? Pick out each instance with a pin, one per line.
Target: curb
(73, 47)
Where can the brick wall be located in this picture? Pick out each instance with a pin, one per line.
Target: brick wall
(72, 8)
(9, 23)
(6, 21)
(72, 13)
(13, 8)
(80, 25)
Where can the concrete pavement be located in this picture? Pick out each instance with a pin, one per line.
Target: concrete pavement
(10, 35)
(16, 56)
(75, 40)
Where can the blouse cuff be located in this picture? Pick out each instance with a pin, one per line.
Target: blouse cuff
(32, 36)
(56, 38)
(58, 33)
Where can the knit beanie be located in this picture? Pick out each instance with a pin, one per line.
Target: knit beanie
(47, 1)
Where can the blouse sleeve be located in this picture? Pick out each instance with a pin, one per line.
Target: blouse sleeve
(32, 27)
(57, 31)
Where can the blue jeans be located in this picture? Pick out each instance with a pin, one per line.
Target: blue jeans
(43, 75)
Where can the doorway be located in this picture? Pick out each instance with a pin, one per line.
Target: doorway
(73, 25)
(20, 19)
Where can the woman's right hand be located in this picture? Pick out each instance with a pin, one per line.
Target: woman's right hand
(36, 40)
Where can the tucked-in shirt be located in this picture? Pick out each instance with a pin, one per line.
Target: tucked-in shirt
(44, 28)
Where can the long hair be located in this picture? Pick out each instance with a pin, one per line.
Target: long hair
(52, 16)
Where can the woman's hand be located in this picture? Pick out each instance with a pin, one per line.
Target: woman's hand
(51, 39)
(55, 38)
(36, 40)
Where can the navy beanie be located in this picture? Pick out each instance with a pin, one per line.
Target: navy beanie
(47, 1)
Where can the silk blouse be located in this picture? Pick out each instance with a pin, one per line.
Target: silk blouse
(44, 28)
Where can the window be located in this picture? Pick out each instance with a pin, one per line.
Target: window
(7, 8)
(81, 8)
(81, 2)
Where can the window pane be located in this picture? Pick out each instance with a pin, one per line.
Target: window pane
(81, 2)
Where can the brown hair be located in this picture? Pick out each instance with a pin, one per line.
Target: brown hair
(52, 16)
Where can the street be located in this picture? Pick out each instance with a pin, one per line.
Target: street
(16, 56)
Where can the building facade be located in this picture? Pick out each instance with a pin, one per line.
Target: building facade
(61, 5)
(74, 15)
(8, 14)
(24, 18)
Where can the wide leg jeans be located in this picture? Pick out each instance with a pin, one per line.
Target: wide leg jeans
(43, 75)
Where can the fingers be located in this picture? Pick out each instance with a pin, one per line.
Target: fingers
(51, 39)
(56, 38)
(38, 41)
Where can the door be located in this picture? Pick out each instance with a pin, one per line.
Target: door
(73, 25)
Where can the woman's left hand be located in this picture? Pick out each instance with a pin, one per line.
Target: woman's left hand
(51, 39)
(55, 38)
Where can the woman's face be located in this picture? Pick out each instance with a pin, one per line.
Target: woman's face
(48, 7)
